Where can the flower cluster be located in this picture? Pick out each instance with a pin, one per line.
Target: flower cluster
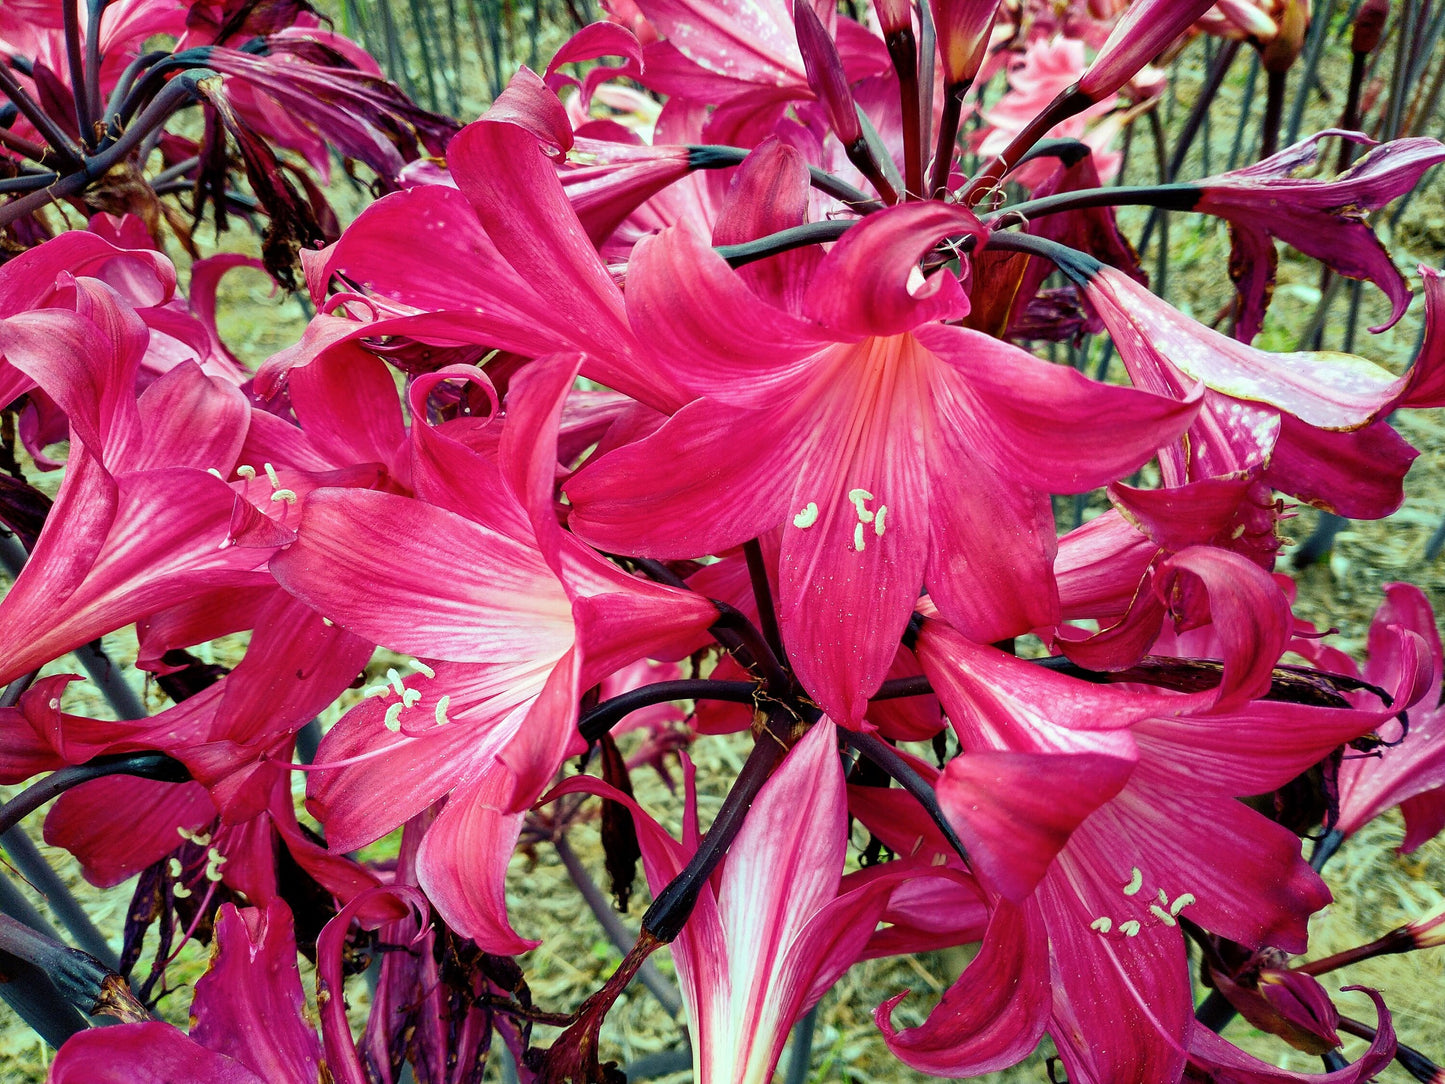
(734, 413)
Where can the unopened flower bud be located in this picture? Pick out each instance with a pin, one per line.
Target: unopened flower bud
(1369, 26)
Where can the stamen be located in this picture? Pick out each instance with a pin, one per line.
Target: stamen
(393, 717)
(1103, 924)
(214, 874)
(183, 833)
(1164, 897)
(878, 520)
(218, 474)
(376, 690)
(180, 892)
(807, 517)
(422, 668)
(287, 495)
(1162, 915)
(858, 542)
(346, 762)
(246, 471)
(201, 839)
(441, 713)
(173, 867)
(1181, 903)
(1130, 928)
(395, 679)
(410, 697)
(330, 624)
(858, 496)
(1136, 882)
(271, 475)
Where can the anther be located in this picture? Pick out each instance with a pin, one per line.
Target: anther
(287, 495)
(395, 679)
(1181, 903)
(1136, 882)
(330, 624)
(878, 520)
(1130, 928)
(393, 717)
(214, 874)
(173, 867)
(1164, 897)
(376, 690)
(271, 475)
(183, 832)
(410, 697)
(422, 668)
(807, 517)
(858, 542)
(246, 471)
(441, 713)
(180, 892)
(201, 839)
(1162, 915)
(1103, 924)
(218, 474)
(856, 495)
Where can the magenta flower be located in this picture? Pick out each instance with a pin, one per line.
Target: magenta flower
(249, 1023)
(1321, 218)
(894, 450)
(1171, 840)
(771, 933)
(1411, 773)
(510, 619)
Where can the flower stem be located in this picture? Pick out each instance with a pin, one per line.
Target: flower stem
(602, 718)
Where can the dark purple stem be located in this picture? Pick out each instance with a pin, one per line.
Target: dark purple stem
(599, 720)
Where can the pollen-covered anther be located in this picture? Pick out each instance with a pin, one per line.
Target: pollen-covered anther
(1103, 924)
(1136, 882)
(218, 474)
(410, 697)
(180, 892)
(858, 543)
(395, 679)
(1182, 902)
(184, 832)
(878, 520)
(376, 690)
(858, 497)
(271, 475)
(392, 721)
(807, 517)
(174, 867)
(287, 495)
(441, 711)
(1162, 915)
(1130, 928)
(422, 668)
(246, 471)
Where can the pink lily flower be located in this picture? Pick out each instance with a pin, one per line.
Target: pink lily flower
(510, 620)
(1171, 840)
(133, 462)
(1409, 773)
(249, 1023)
(918, 479)
(1212, 1058)
(770, 932)
(1321, 218)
